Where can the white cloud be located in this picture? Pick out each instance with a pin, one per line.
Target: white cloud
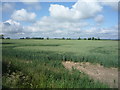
(48, 24)
(99, 18)
(80, 10)
(23, 15)
(108, 33)
(62, 12)
(48, 27)
(11, 27)
(87, 9)
(62, 22)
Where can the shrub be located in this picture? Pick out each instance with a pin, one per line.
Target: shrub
(79, 38)
(89, 38)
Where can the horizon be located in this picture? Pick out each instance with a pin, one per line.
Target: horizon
(65, 38)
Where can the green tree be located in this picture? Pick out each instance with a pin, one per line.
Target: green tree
(79, 38)
(85, 38)
(27, 37)
(1, 36)
(8, 38)
(47, 38)
(89, 38)
(93, 38)
(68, 38)
(63, 38)
(98, 38)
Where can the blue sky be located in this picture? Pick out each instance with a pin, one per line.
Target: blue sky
(44, 8)
(60, 19)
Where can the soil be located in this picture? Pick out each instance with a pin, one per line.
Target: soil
(96, 71)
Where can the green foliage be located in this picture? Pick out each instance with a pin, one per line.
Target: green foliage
(68, 39)
(93, 38)
(49, 74)
(63, 38)
(98, 38)
(93, 51)
(1, 36)
(89, 38)
(79, 38)
(8, 38)
(37, 63)
(47, 38)
(27, 37)
(85, 38)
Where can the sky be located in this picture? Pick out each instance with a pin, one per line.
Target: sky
(60, 19)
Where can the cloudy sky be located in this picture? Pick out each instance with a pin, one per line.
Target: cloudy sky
(60, 19)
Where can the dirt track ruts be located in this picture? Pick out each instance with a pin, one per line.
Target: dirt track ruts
(96, 71)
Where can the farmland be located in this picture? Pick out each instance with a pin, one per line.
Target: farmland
(38, 63)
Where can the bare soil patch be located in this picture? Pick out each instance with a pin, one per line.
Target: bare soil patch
(96, 71)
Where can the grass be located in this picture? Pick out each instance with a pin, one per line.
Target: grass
(37, 63)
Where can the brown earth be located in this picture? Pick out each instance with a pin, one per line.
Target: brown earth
(96, 71)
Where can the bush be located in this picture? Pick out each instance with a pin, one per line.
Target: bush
(63, 38)
(27, 37)
(68, 38)
(85, 38)
(98, 38)
(47, 38)
(8, 38)
(93, 38)
(79, 38)
(89, 38)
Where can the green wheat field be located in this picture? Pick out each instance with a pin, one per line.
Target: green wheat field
(38, 63)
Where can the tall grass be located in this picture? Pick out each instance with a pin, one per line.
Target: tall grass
(43, 74)
(37, 63)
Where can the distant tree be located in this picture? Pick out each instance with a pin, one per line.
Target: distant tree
(27, 37)
(79, 38)
(1, 36)
(93, 38)
(68, 38)
(63, 38)
(47, 38)
(89, 38)
(37, 38)
(55, 38)
(22, 38)
(85, 38)
(8, 38)
(98, 38)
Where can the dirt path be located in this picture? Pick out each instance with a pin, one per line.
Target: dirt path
(97, 72)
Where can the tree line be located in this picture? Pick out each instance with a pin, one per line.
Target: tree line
(2, 37)
(63, 38)
(93, 38)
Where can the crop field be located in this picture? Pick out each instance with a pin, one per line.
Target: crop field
(38, 63)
